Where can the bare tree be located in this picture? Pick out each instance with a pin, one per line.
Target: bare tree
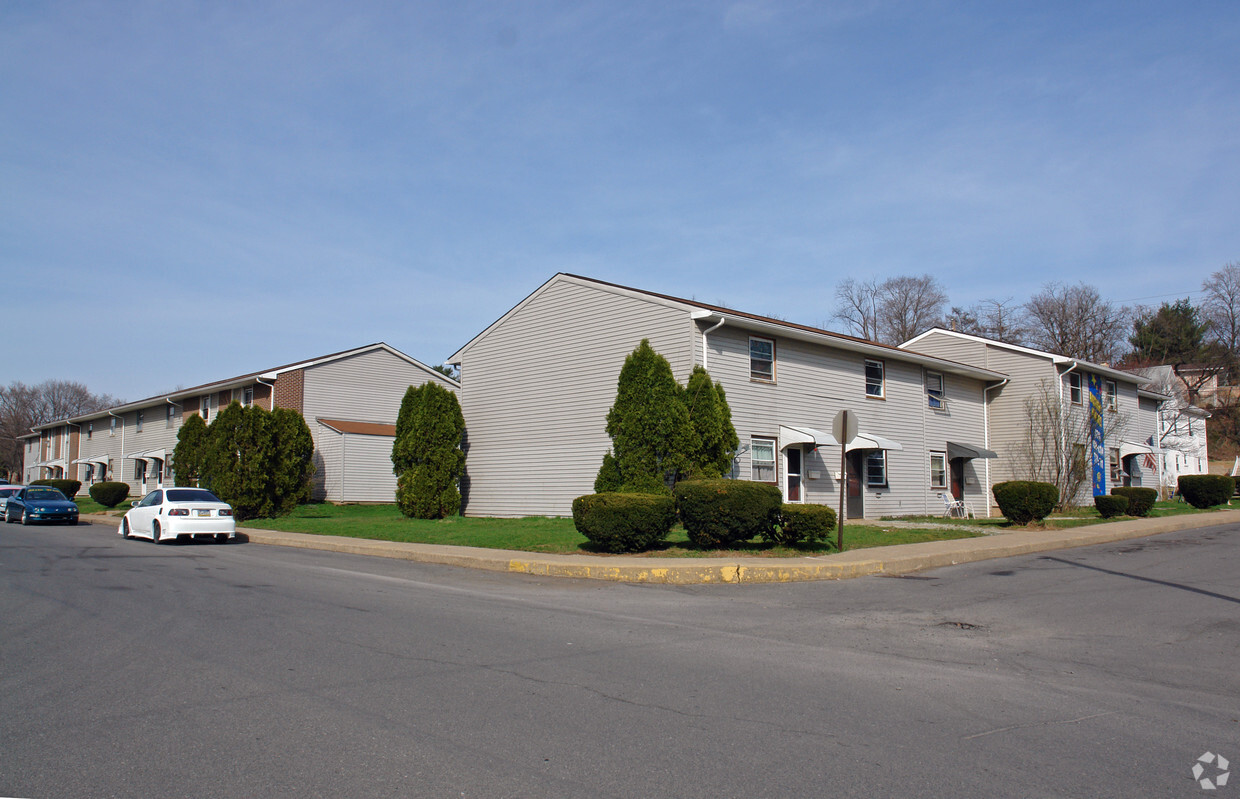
(1221, 307)
(857, 307)
(1075, 321)
(22, 407)
(1055, 445)
(1001, 320)
(908, 306)
(892, 311)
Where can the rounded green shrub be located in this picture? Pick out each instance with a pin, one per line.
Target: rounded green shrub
(624, 522)
(1111, 505)
(1206, 490)
(67, 487)
(1140, 500)
(109, 495)
(1025, 501)
(718, 513)
(803, 524)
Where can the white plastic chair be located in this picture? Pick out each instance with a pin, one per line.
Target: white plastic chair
(953, 507)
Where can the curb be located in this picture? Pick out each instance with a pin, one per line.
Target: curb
(898, 559)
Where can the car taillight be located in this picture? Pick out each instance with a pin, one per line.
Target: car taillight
(226, 511)
(179, 512)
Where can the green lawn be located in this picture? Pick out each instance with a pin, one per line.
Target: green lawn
(1075, 517)
(552, 535)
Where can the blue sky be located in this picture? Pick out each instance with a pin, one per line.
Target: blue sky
(195, 190)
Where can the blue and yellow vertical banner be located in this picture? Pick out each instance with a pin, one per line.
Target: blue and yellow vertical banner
(1097, 444)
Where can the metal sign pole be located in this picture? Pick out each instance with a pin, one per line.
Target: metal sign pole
(839, 536)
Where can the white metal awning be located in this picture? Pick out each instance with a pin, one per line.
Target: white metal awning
(57, 463)
(149, 455)
(1127, 448)
(872, 441)
(967, 451)
(93, 459)
(790, 436)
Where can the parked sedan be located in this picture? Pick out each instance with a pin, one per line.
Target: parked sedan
(7, 490)
(40, 504)
(168, 513)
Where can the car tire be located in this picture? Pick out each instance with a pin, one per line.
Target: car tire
(26, 517)
(221, 538)
(155, 533)
(125, 529)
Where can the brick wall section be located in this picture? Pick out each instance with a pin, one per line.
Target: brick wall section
(262, 396)
(290, 389)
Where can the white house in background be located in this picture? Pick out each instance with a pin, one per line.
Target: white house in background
(1181, 426)
(537, 384)
(1129, 456)
(349, 400)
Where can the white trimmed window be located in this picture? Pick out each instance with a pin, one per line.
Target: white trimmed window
(875, 382)
(761, 359)
(1110, 395)
(138, 424)
(762, 460)
(204, 408)
(90, 430)
(934, 390)
(938, 470)
(247, 396)
(112, 431)
(876, 468)
(1074, 388)
(171, 415)
(1114, 462)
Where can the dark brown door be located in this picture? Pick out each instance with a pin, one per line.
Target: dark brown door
(957, 470)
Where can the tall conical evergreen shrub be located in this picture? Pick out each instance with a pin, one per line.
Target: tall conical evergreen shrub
(259, 462)
(292, 460)
(649, 425)
(426, 456)
(712, 423)
(191, 451)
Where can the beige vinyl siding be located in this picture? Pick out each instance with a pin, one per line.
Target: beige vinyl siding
(536, 389)
(365, 387)
(368, 475)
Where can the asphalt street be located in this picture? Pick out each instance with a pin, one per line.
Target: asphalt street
(132, 669)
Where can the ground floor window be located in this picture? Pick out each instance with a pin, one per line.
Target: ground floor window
(762, 460)
(938, 470)
(876, 468)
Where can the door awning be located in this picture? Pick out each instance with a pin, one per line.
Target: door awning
(967, 451)
(790, 436)
(149, 455)
(871, 441)
(1127, 448)
(93, 459)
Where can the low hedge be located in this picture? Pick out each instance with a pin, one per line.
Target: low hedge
(109, 495)
(1025, 501)
(719, 513)
(802, 524)
(1140, 500)
(1207, 490)
(624, 522)
(1111, 505)
(67, 487)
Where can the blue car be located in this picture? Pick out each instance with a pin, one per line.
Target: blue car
(40, 504)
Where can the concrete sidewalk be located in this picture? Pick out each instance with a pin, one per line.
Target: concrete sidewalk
(899, 559)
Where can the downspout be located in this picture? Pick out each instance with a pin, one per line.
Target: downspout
(986, 434)
(121, 459)
(706, 343)
(272, 399)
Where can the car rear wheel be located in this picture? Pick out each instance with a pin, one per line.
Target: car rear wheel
(155, 533)
(125, 529)
(221, 538)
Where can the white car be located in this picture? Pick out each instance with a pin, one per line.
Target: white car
(7, 490)
(168, 513)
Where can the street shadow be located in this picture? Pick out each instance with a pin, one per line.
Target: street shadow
(1167, 583)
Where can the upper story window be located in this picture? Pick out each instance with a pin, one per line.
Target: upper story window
(205, 408)
(1113, 461)
(90, 430)
(112, 431)
(1110, 395)
(1074, 389)
(761, 359)
(247, 396)
(875, 382)
(172, 415)
(934, 390)
(138, 424)
(762, 460)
